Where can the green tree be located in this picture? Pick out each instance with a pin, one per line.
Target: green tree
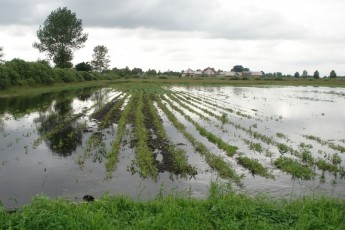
(305, 74)
(137, 71)
(316, 74)
(332, 74)
(1, 54)
(296, 74)
(60, 35)
(100, 58)
(83, 66)
(151, 72)
(239, 68)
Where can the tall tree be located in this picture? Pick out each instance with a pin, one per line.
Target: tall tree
(296, 74)
(100, 58)
(332, 74)
(316, 74)
(1, 54)
(60, 35)
(305, 73)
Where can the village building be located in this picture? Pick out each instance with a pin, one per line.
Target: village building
(230, 74)
(210, 72)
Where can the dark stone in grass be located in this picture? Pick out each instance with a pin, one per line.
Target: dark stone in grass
(88, 198)
(11, 211)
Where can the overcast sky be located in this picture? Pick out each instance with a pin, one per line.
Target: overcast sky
(268, 35)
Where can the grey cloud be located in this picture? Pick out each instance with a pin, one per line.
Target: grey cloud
(201, 16)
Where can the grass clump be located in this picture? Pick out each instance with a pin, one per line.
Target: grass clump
(294, 168)
(281, 135)
(283, 148)
(325, 166)
(307, 157)
(254, 166)
(336, 159)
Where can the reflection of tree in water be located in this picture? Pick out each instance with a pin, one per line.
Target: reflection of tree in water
(67, 138)
(86, 93)
(2, 124)
(237, 90)
(99, 98)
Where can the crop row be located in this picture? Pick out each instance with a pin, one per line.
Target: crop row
(293, 167)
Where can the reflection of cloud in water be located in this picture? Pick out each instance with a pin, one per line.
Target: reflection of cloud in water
(13, 124)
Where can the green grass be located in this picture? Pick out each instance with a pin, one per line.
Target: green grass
(224, 209)
(294, 168)
(143, 155)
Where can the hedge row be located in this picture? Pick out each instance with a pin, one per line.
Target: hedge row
(19, 72)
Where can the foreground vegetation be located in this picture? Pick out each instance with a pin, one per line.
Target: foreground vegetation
(223, 209)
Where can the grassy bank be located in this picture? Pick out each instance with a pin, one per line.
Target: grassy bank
(222, 210)
(40, 89)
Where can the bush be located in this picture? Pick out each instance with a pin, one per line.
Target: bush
(66, 75)
(89, 76)
(18, 72)
(5, 80)
(40, 73)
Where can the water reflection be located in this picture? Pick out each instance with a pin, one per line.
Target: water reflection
(63, 137)
(22, 105)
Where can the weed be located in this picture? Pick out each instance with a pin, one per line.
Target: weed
(336, 159)
(253, 166)
(307, 157)
(283, 148)
(325, 166)
(281, 135)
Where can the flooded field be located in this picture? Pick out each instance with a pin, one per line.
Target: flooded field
(146, 141)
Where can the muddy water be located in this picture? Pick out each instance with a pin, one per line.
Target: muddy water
(37, 157)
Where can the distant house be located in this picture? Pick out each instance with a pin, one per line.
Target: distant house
(191, 73)
(188, 73)
(230, 74)
(209, 72)
(256, 74)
